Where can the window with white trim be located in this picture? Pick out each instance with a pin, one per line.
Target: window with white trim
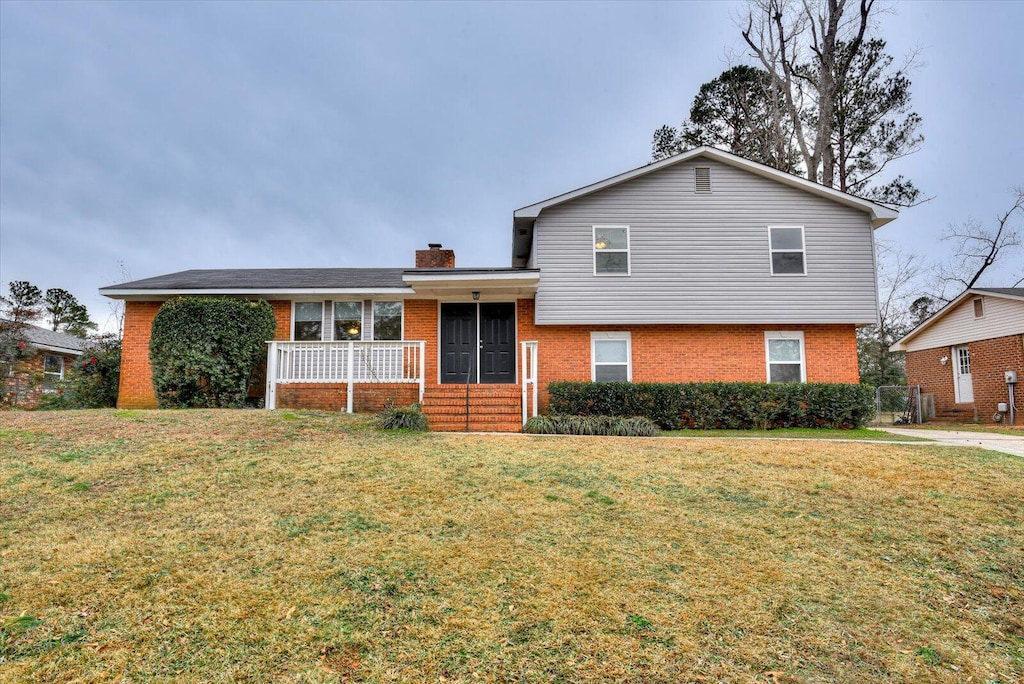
(307, 325)
(786, 247)
(53, 371)
(348, 320)
(784, 356)
(611, 357)
(611, 250)
(387, 320)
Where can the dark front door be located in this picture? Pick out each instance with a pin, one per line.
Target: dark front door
(498, 343)
(484, 353)
(458, 342)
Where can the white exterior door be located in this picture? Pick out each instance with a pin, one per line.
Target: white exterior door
(962, 375)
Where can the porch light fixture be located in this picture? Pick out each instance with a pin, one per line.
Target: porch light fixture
(476, 296)
(944, 360)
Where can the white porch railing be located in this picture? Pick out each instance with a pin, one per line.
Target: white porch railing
(350, 362)
(528, 376)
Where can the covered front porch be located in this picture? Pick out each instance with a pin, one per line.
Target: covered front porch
(378, 371)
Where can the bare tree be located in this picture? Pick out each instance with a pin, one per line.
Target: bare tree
(847, 107)
(977, 247)
(898, 274)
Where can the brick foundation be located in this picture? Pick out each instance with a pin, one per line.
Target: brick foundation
(367, 398)
(990, 359)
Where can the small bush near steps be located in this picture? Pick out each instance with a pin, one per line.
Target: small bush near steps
(591, 425)
(403, 418)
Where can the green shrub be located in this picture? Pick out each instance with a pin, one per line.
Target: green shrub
(407, 418)
(719, 405)
(205, 351)
(591, 425)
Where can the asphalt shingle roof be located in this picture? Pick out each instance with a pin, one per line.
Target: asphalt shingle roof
(268, 279)
(49, 338)
(1012, 291)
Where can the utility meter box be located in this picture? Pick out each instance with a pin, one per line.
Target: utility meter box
(1011, 377)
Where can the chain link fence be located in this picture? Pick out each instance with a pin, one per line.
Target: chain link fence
(898, 405)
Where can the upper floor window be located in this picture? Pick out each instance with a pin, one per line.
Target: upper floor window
(348, 320)
(787, 250)
(308, 322)
(784, 356)
(387, 320)
(611, 250)
(979, 308)
(611, 357)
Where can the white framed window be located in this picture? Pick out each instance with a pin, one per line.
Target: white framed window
(53, 371)
(979, 307)
(307, 321)
(611, 250)
(348, 320)
(784, 356)
(387, 320)
(786, 250)
(611, 357)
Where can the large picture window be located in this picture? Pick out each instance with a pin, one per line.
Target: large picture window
(611, 355)
(308, 322)
(611, 250)
(387, 320)
(787, 250)
(348, 320)
(784, 356)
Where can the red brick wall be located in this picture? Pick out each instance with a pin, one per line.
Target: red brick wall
(688, 353)
(367, 398)
(990, 359)
(136, 384)
(421, 323)
(25, 387)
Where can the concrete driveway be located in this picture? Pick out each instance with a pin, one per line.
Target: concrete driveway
(1007, 444)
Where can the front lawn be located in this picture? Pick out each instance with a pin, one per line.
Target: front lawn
(796, 433)
(303, 547)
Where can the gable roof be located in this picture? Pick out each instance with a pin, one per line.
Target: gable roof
(523, 219)
(53, 341)
(1014, 293)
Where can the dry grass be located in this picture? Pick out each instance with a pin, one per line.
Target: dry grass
(256, 546)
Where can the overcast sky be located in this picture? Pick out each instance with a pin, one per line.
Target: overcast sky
(186, 135)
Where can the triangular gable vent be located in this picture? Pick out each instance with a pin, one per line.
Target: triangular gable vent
(702, 179)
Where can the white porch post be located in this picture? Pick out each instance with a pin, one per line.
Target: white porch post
(524, 378)
(270, 398)
(351, 366)
(421, 368)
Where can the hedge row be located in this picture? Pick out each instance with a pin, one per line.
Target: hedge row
(719, 405)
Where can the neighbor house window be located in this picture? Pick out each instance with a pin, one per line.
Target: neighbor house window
(308, 325)
(979, 308)
(611, 250)
(348, 320)
(610, 357)
(787, 250)
(387, 320)
(53, 370)
(784, 356)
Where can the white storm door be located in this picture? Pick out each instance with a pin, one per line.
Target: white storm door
(962, 375)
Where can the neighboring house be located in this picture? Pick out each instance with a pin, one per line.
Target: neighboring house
(962, 353)
(700, 267)
(51, 358)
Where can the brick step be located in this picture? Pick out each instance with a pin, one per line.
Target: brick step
(473, 410)
(504, 394)
(476, 426)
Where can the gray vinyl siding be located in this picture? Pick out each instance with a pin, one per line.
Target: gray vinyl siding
(703, 258)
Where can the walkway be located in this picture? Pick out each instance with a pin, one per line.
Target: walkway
(1007, 444)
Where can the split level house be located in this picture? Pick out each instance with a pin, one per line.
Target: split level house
(50, 356)
(700, 267)
(967, 355)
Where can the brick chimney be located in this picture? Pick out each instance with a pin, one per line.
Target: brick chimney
(435, 257)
